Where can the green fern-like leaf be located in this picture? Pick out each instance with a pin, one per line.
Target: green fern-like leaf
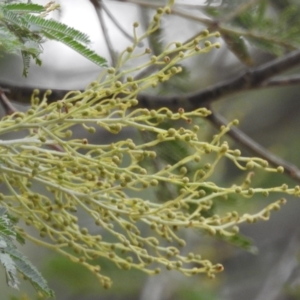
(54, 26)
(22, 32)
(24, 266)
(25, 8)
(78, 47)
(6, 228)
(10, 270)
(15, 22)
(14, 261)
(7, 234)
(26, 62)
(9, 42)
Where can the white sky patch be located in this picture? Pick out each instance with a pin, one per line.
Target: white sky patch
(198, 2)
(63, 67)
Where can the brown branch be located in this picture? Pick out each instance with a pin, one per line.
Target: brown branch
(250, 79)
(282, 81)
(6, 104)
(258, 77)
(239, 136)
(254, 78)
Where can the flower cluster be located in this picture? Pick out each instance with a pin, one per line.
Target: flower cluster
(110, 183)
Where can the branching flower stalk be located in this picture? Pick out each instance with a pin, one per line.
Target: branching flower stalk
(96, 179)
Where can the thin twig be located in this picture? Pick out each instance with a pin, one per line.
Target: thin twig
(291, 170)
(98, 6)
(117, 24)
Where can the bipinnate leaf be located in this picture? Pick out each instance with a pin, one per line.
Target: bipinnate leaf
(25, 267)
(23, 29)
(10, 270)
(25, 8)
(14, 261)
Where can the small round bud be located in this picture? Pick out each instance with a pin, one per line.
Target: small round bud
(197, 158)
(111, 70)
(153, 59)
(235, 122)
(205, 32)
(250, 191)
(185, 180)
(250, 165)
(167, 10)
(183, 170)
(129, 49)
(280, 169)
(171, 132)
(182, 243)
(42, 139)
(154, 182)
(84, 231)
(118, 84)
(237, 152)
(167, 59)
(91, 130)
(235, 229)
(129, 79)
(238, 190)
(223, 149)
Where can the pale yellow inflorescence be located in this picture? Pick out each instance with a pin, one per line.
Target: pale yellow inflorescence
(77, 175)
